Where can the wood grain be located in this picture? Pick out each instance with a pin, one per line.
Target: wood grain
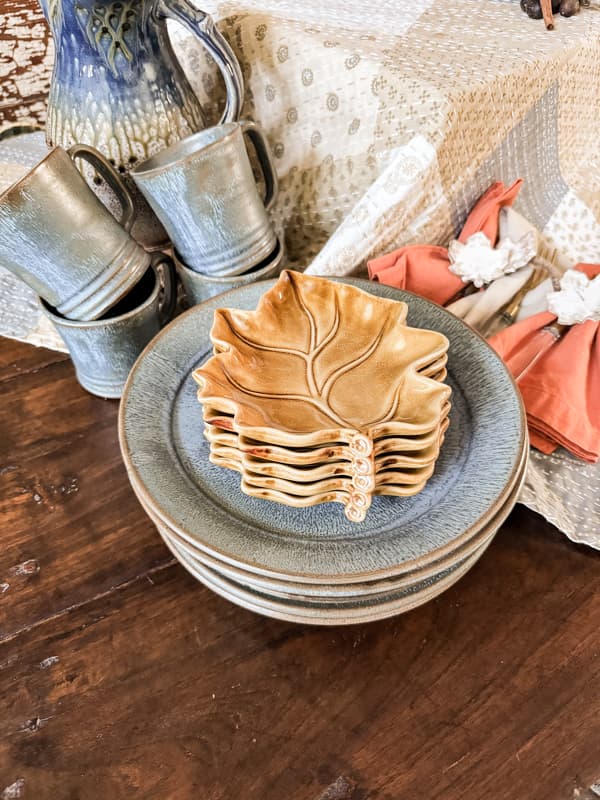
(26, 56)
(121, 677)
(61, 472)
(17, 358)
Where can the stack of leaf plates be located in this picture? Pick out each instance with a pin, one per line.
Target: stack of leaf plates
(313, 564)
(324, 394)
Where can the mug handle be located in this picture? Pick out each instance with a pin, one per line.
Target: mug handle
(167, 277)
(202, 25)
(112, 178)
(265, 159)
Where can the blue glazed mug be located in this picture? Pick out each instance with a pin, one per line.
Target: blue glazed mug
(198, 287)
(204, 192)
(61, 240)
(103, 351)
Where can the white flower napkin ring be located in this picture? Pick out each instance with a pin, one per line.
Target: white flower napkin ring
(477, 261)
(578, 299)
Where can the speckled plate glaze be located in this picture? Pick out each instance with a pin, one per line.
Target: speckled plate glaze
(166, 454)
(341, 614)
(331, 593)
(324, 601)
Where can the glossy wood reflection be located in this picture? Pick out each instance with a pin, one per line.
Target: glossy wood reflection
(122, 677)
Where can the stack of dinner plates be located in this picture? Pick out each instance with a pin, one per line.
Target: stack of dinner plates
(313, 564)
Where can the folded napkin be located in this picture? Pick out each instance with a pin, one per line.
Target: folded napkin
(535, 301)
(561, 390)
(480, 309)
(423, 269)
(420, 268)
(484, 216)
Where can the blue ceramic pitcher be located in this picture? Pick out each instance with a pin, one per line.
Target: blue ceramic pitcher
(117, 84)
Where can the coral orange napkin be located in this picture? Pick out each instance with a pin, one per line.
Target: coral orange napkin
(561, 390)
(423, 269)
(420, 268)
(485, 213)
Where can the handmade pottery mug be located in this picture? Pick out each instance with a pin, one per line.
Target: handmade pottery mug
(58, 237)
(117, 83)
(199, 288)
(203, 191)
(104, 350)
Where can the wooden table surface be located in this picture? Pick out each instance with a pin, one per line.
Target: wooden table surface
(122, 677)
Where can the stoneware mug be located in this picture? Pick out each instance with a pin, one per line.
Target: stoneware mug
(104, 350)
(203, 191)
(198, 287)
(58, 237)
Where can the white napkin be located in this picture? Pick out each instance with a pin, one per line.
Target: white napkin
(477, 309)
(535, 301)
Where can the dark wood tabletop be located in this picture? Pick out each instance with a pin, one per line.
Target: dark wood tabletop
(122, 677)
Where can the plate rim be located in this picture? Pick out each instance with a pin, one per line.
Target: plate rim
(501, 514)
(348, 616)
(428, 570)
(357, 576)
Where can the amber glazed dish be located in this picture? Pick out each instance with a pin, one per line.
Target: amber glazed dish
(329, 374)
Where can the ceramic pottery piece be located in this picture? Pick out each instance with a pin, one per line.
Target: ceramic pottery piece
(317, 604)
(323, 613)
(320, 359)
(58, 237)
(369, 591)
(199, 288)
(169, 467)
(366, 590)
(204, 192)
(307, 456)
(220, 429)
(309, 603)
(217, 420)
(393, 473)
(118, 86)
(104, 350)
(337, 604)
(328, 466)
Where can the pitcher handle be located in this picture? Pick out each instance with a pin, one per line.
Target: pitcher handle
(202, 25)
(265, 159)
(111, 176)
(165, 271)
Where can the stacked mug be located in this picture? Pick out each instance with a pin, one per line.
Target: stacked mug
(106, 295)
(204, 192)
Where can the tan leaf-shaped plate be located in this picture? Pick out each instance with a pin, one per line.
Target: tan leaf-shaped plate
(327, 468)
(334, 451)
(224, 420)
(321, 362)
(220, 429)
(318, 357)
(338, 470)
(328, 482)
(360, 501)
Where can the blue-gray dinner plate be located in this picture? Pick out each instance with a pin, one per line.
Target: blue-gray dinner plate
(166, 455)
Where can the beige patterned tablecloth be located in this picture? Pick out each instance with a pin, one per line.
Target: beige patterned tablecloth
(389, 119)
